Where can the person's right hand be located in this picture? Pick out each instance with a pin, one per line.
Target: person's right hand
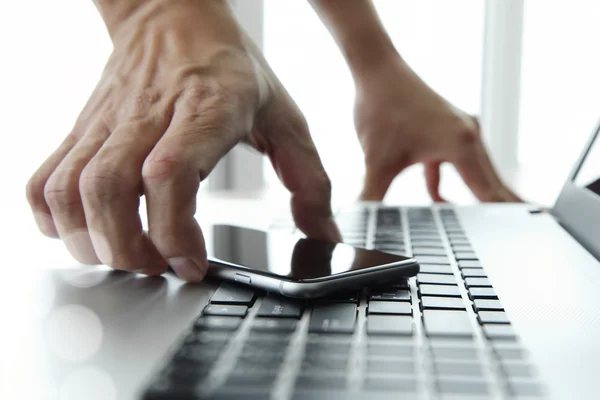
(182, 87)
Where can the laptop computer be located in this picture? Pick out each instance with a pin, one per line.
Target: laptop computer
(506, 305)
(503, 307)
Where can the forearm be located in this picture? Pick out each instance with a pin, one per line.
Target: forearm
(358, 31)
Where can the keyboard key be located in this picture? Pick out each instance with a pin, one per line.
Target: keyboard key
(251, 377)
(477, 282)
(397, 367)
(385, 350)
(225, 310)
(330, 381)
(218, 323)
(197, 355)
(317, 394)
(482, 293)
(425, 236)
(472, 370)
(441, 303)
(462, 247)
(473, 273)
(518, 369)
(389, 384)
(510, 353)
(462, 388)
(463, 255)
(426, 251)
(389, 237)
(398, 251)
(436, 269)
(399, 284)
(388, 217)
(274, 324)
(391, 295)
(436, 279)
(333, 318)
(344, 297)
(327, 349)
(187, 375)
(499, 332)
(525, 389)
(469, 264)
(392, 244)
(232, 294)
(325, 363)
(427, 243)
(447, 323)
(487, 305)
(439, 290)
(264, 340)
(493, 317)
(389, 307)
(275, 306)
(389, 325)
(424, 233)
(162, 390)
(457, 236)
(446, 352)
(433, 260)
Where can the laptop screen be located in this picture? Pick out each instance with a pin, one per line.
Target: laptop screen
(588, 176)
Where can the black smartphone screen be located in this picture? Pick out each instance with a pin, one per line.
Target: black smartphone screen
(288, 256)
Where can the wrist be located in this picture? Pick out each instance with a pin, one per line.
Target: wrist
(366, 54)
(359, 33)
(117, 13)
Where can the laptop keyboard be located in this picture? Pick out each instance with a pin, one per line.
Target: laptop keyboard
(442, 334)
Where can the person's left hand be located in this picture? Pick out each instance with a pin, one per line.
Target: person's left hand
(401, 121)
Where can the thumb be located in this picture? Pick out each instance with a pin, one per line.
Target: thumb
(432, 177)
(298, 165)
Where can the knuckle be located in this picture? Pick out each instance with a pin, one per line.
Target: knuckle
(101, 183)
(324, 183)
(34, 190)
(468, 136)
(206, 91)
(61, 192)
(163, 167)
(210, 103)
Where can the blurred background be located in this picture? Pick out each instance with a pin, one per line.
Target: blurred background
(529, 68)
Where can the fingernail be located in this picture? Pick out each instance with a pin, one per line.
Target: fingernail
(46, 224)
(186, 269)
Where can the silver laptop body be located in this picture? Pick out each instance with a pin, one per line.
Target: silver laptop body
(93, 333)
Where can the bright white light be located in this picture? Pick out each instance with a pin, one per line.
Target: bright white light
(74, 332)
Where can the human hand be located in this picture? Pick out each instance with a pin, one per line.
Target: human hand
(400, 121)
(181, 88)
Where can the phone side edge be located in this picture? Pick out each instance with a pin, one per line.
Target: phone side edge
(316, 289)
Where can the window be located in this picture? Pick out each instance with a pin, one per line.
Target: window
(560, 90)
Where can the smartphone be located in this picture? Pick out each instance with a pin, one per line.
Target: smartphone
(296, 266)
